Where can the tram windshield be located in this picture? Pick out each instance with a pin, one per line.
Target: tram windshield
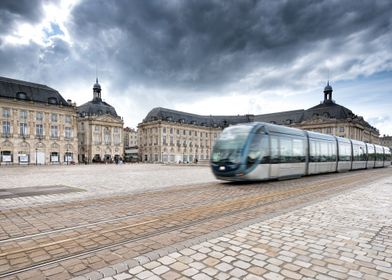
(228, 147)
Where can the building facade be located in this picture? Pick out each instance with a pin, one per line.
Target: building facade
(100, 130)
(130, 137)
(131, 149)
(38, 124)
(386, 141)
(172, 136)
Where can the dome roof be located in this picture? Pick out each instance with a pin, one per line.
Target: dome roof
(96, 107)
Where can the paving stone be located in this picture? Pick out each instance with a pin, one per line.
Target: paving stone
(238, 273)
(273, 276)
(201, 276)
(160, 270)
(122, 276)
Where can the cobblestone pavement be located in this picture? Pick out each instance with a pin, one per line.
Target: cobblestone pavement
(97, 180)
(348, 236)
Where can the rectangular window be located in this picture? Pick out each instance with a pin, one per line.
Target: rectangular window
(39, 116)
(68, 132)
(171, 140)
(171, 130)
(341, 129)
(39, 130)
(6, 127)
(68, 119)
(6, 113)
(53, 117)
(97, 128)
(23, 129)
(23, 115)
(164, 140)
(328, 130)
(274, 149)
(54, 131)
(178, 131)
(164, 130)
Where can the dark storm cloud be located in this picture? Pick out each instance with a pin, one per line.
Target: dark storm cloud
(187, 49)
(13, 12)
(208, 44)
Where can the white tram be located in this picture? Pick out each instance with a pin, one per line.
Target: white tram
(263, 151)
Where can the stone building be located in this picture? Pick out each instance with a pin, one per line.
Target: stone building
(131, 149)
(172, 136)
(130, 137)
(100, 130)
(327, 117)
(38, 126)
(386, 140)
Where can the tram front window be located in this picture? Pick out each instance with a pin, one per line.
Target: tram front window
(228, 147)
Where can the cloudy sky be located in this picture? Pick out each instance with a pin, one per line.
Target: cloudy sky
(204, 56)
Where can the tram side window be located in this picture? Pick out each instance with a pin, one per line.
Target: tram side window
(274, 149)
(287, 150)
(299, 150)
(359, 153)
(388, 156)
(344, 152)
(371, 156)
(379, 155)
(322, 151)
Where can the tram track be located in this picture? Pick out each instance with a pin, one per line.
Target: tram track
(193, 216)
(146, 213)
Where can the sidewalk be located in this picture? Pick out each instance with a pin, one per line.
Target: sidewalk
(345, 237)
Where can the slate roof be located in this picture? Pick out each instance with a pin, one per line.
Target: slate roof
(160, 113)
(22, 90)
(282, 118)
(96, 107)
(329, 110)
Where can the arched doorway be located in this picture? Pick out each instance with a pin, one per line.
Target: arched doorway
(68, 155)
(40, 154)
(55, 154)
(6, 156)
(23, 153)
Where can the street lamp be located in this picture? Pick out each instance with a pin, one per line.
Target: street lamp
(36, 152)
(66, 154)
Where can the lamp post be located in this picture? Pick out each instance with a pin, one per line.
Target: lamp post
(66, 154)
(36, 153)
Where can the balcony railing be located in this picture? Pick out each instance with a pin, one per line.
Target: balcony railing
(6, 135)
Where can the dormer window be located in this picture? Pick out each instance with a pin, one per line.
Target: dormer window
(52, 100)
(21, 95)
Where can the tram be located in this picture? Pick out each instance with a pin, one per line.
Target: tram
(263, 151)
